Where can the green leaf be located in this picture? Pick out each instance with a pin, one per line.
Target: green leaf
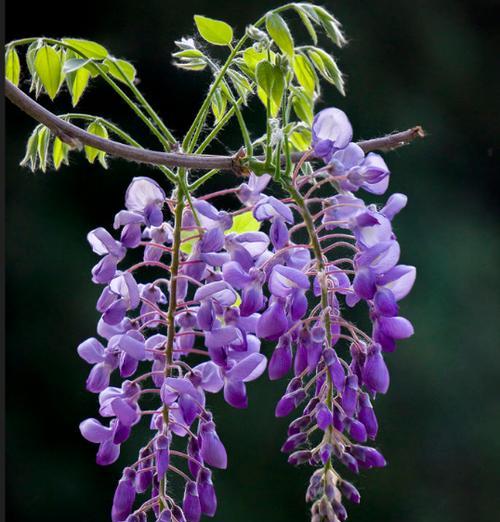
(12, 66)
(327, 67)
(31, 155)
(43, 147)
(279, 32)
(304, 16)
(244, 223)
(331, 26)
(187, 246)
(213, 31)
(303, 105)
(98, 129)
(304, 72)
(241, 84)
(36, 84)
(77, 83)
(190, 60)
(59, 153)
(264, 74)
(127, 69)
(74, 64)
(87, 48)
(219, 105)
(252, 57)
(271, 85)
(301, 139)
(48, 66)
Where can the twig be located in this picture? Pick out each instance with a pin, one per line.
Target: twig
(76, 137)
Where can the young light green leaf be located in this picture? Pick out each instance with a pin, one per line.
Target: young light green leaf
(327, 67)
(73, 64)
(43, 147)
(119, 68)
(279, 32)
(252, 57)
(301, 139)
(304, 16)
(59, 153)
(331, 26)
(97, 128)
(304, 73)
(264, 74)
(87, 48)
(31, 155)
(187, 246)
(36, 84)
(219, 104)
(303, 105)
(271, 85)
(241, 84)
(213, 31)
(244, 223)
(48, 66)
(77, 83)
(12, 66)
(190, 60)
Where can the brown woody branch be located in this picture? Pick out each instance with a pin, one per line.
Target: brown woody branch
(76, 137)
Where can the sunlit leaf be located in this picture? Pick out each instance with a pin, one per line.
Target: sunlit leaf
(213, 31)
(241, 84)
(252, 57)
(331, 25)
(59, 153)
(304, 73)
(31, 155)
(119, 68)
(87, 48)
(48, 66)
(280, 33)
(190, 59)
(98, 129)
(12, 66)
(43, 147)
(244, 223)
(271, 85)
(300, 139)
(304, 16)
(73, 64)
(327, 67)
(303, 105)
(219, 104)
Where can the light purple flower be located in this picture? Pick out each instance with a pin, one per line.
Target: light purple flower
(331, 130)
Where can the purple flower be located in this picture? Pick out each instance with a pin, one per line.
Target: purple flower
(353, 170)
(124, 496)
(249, 193)
(331, 130)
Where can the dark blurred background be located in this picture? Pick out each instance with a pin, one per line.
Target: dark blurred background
(431, 62)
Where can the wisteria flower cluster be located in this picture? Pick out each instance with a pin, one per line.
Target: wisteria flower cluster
(198, 299)
(225, 293)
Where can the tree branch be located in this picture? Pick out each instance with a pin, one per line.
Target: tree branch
(76, 137)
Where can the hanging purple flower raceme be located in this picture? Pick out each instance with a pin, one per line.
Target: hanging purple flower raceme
(285, 276)
(337, 368)
(148, 330)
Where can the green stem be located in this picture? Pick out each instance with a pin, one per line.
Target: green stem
(202, 179)
(213, 133)
(239, 116)
(154, 115)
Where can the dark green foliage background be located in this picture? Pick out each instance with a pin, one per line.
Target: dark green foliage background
(430, 62)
